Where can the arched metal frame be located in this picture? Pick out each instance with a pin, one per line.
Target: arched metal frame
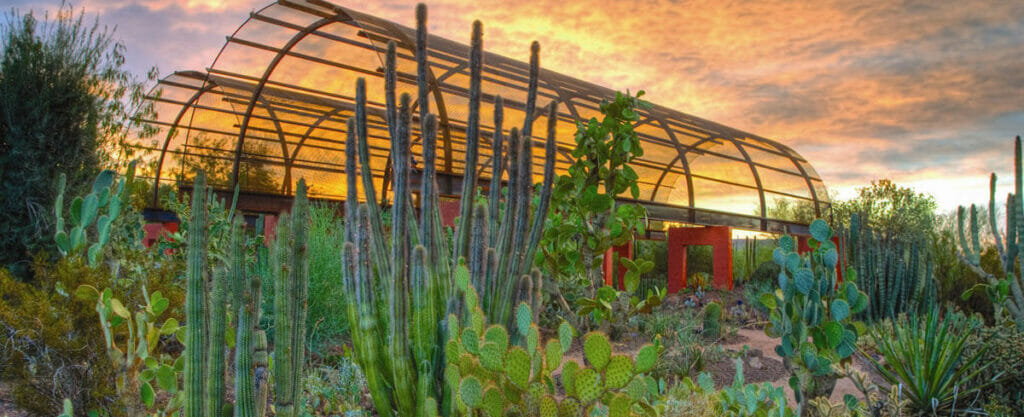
(292, 66)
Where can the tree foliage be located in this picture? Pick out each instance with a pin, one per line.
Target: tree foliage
(585, 220)
(898, 212)
(65, 99)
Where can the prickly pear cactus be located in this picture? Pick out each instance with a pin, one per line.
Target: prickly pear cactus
(495, 378)
(811, 313)
(97, 210)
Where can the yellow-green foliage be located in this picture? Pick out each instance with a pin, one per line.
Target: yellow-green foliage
(55, 349)
(1006, 351)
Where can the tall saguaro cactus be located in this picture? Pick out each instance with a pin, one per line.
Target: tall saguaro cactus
(1008, 290)
(403, 286)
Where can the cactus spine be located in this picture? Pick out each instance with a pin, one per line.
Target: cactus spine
(405, 284)
(1008, 290)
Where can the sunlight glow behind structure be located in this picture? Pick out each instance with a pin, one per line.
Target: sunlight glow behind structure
(273, 106)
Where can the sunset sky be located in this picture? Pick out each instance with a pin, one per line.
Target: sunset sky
(928, 94)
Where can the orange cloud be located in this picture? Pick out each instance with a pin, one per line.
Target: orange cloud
(916, 91)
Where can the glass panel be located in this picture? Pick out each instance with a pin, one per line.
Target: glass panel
(722, 169)
(719, 196)
(773, 180)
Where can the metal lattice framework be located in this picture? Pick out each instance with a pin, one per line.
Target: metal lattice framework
(272, 109)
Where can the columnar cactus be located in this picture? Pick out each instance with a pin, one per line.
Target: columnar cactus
(812, 314)
(712, 320)
(206, 315)
(891, 273)
(196, 318)
(404, 285)
(1007, 290)
(215, 360)
(290, 264)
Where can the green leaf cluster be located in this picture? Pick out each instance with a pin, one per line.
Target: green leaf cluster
(585, 220)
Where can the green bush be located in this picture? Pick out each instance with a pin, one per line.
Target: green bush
(766, 272)
(327, 322)
(64, 104)
(1004, 348)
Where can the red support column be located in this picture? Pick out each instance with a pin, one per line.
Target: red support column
(720, 240)
(624, 251)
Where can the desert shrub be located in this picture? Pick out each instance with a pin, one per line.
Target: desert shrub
(327, 321)
(952, 277)
(52, 346)
(65, 98)
(336, 389)
(1005, 350)
(766, 272)
(683, 353)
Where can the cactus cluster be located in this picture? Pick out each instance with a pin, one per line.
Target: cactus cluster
(497, 378)
(892, 273)
(101, 206)
(403, 282)
(1008, 290)
(812, 313)
(712, 321)
(206, 311)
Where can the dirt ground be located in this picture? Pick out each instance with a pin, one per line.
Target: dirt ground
(7, 408)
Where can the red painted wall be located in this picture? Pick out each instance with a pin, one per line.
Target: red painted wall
(720, 239)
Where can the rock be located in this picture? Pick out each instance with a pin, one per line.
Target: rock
(755, 363)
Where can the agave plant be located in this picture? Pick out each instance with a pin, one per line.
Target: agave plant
(925, 361)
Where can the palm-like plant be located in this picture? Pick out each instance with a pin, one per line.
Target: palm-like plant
(924, 359)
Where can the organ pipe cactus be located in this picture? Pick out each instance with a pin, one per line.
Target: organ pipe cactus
(290, 262)
(403, 283)
(891, 273)
(206, 315)
(1007, 290)
(196, 315)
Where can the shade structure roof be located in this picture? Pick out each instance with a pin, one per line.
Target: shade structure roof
(272, 108)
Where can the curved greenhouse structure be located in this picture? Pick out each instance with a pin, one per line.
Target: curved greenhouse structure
(272, 108)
